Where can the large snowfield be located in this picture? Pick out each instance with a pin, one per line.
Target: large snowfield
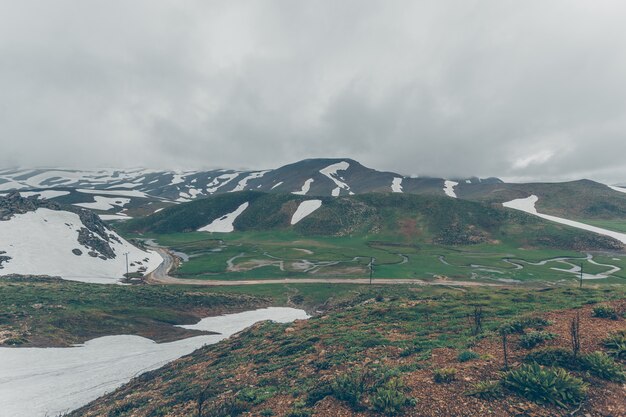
(41, 242)
(528, 205)
(38, 382)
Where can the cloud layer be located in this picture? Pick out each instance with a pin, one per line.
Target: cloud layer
(524, 90)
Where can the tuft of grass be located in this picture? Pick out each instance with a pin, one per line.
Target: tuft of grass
(546, 385)
(534, 339)
(486, 390)
(603, 366)
(467, 355)
(615, 344)
(444, 375)
(605, 312)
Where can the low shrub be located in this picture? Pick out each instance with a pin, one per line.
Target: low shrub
(444, 375)
(605, 312)
(615, 344)
(390, 399)
(518, 326)
(486, 390)
(350, 388)
(534, 339)
(266, 413)
(546, 385)
(603, 366)
(467, 355)
(553, 357)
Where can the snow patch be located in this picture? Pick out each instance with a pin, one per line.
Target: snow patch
(331, 172)
(216, 184)
(105, 203)
(244, 182)
(396, 185)
(528, 205)
(615, 188)
(41, 242)
(225, 223)
(305, 187)
(125, 193)
(277, 185)
(82, 373)
(304, 209)
(47, 194)
(448, 188)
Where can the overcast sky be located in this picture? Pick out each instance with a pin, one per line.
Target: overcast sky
(516, 89)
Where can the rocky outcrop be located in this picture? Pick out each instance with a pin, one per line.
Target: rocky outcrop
(94, 236)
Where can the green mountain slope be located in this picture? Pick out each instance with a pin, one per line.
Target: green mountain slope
(390, 217)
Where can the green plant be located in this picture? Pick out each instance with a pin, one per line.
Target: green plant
(299, 413)
(390, 399)
(546, 385)
(486, 390)
(553, 357)
(603, 366)
(467, 355)
(615, 344)
(350, 388)
(266, 413)
(533, 339)
(605, 312)
(444, 375)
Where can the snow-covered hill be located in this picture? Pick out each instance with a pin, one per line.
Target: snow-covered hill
(38, 237)
(118, 193)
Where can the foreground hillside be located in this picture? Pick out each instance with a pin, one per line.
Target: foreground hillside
(410, 351)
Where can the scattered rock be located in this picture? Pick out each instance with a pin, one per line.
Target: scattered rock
(77, 252)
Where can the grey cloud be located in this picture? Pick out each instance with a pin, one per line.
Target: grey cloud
(522, 90)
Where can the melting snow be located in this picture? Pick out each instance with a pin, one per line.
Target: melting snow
(305, 187)
(105, 203)
(277, 185)
(528, 205)
(304, 209)
(615, 188)
(244, 182)
(396, 185)
(37, 382)
(216, 184)
(41, 242)
(47, 194)
(448, 188)
(225, 223)
(125, 193)
(331, 172)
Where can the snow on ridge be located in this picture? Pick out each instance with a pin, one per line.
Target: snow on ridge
(214, 185)
(528, 205)
(305, 187)
(224, 224)
(123, 193)
(304, 209)
(244, 182)
(40, 242)
(104, 203)
(47, 194)
(617, 188)
(448, 188)
(396, 185)
(331, 173)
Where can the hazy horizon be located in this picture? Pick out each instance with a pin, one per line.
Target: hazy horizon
(516, 90)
